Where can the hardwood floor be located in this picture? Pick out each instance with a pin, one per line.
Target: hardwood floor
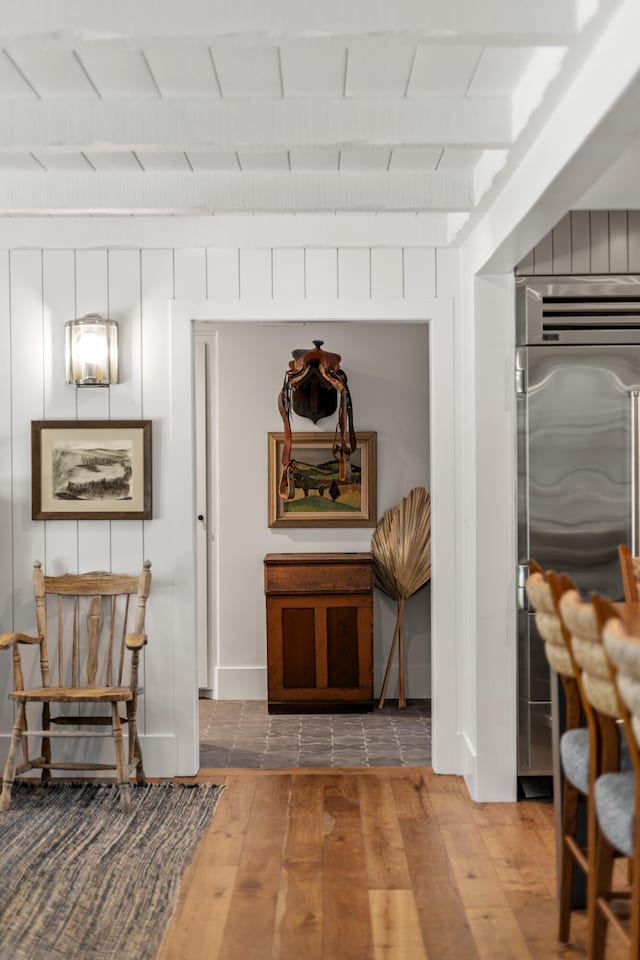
(369, 864)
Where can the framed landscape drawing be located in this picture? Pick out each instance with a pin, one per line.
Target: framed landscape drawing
(91, 469)
(321, 498)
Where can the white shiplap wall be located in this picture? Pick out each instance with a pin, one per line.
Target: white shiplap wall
(587, 241)
(39, 291)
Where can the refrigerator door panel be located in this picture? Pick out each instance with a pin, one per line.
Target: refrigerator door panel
(577, 497)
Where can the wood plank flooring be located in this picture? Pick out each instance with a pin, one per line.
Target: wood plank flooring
(369, 864)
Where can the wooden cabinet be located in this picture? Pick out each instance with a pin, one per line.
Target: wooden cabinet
(319, 631)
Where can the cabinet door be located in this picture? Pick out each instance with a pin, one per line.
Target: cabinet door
(320, 648)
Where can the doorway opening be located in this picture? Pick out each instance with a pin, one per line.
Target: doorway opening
(388, 370)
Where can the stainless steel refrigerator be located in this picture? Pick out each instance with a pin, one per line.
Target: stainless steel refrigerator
(577, 384)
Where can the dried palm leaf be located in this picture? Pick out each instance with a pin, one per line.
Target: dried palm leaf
(401, 546)
(401, 549)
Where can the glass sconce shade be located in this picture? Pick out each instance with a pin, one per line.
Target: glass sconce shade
(91, 351)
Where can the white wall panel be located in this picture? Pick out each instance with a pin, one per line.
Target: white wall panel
(599, 241)
(618, 242)
(288, 274)
(386, 272)
(92, 296)
(6, 525)
(156, 295)
(126, 396)
(27, 404)
(419, 272)
(580, 242)
(223, 280)
(354, 274)
(561, 245)
(190, 277)
(321, 273)
(60, 399)
(255, 274)
(634, 241)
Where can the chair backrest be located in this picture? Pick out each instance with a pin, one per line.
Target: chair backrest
(541, 597)
(623, 651)
(84, 620)
(581, 620)
(630, 570)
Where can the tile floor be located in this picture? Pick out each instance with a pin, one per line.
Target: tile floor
(241, 733)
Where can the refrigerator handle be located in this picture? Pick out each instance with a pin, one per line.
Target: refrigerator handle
(634, 396)
(522, 600)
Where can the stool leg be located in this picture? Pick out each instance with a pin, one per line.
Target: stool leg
(570, 810)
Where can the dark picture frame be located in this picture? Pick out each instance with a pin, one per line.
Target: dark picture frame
(356, 503)
(91, 470)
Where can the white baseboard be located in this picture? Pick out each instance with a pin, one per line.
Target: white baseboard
(242, 683)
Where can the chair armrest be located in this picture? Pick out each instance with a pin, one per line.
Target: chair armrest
(134, 641)
(8, 639)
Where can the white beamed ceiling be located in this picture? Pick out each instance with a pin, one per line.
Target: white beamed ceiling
(282, 105)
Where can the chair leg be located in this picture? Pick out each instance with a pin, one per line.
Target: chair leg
(123, 779)
(135, 750)
(599, 886)
(46, 741)
(570, 811)
(8, 776)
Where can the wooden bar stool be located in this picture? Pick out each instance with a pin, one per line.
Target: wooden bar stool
(544, 593)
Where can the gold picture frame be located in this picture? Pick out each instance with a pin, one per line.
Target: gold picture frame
(314, 505)
(91, 469)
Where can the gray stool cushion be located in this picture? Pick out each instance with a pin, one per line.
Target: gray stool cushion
(574, 754)
(615, 798)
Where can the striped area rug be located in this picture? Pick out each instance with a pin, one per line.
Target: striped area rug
(80, 880)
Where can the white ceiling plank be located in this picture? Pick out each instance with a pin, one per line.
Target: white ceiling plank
(313, 68)
(117, 73)
(53, 72)
(378, 67)
(443, 71)
(12, 82)
(499, 70)
(63, 162)
(203, 160)
(68, 21)
(453, 159)
(415, 158)
(263, 160)
(248, 71)
(103, 161)
(364, 158)
(164, 161)
(320, 158)
(19, 161)
(269, 124)
(182, 73)
(259, 192)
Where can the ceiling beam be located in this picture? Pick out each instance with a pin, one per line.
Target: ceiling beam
(234, 192)
(149, 22)
(80, 124)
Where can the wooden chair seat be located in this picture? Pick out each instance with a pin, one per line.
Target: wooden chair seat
(90, 634)
(74, 694)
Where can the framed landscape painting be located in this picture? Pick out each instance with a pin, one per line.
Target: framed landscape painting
(321, 499)
(91, 469)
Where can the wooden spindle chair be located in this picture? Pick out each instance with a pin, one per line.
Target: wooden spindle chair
(89, 627)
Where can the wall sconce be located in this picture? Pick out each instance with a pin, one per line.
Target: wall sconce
(91, 351)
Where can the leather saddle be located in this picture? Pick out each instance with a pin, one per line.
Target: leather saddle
(313, 385)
